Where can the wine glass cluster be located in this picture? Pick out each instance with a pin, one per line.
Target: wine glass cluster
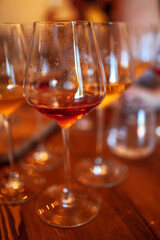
(66, 77)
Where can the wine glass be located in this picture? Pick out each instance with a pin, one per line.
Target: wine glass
(119, 70)
(132, 130)
(15, 186)
(65, 88)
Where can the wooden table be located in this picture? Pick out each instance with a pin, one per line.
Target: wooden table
(128, 211)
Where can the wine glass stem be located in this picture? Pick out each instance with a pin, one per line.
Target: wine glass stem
(99, 136)
(67, 164)
(7, 126)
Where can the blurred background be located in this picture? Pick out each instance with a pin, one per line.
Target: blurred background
(26, 11)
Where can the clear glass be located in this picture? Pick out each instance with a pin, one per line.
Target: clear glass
(119, 70)
(65, 80)
(132, 131)
(14, 185)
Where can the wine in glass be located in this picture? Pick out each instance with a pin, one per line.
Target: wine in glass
(14, 185)
(72, 84)
(119, 70)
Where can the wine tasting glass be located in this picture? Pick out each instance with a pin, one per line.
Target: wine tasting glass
(15, 186)
(119, 69)
(65, 80)
(132, 130)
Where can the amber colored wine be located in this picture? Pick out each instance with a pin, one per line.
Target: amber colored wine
(11, 94)
(10, 98)
(113, 92)
(63, 106)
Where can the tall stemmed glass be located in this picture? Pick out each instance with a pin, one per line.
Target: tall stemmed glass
(72, 84)
(15, 186)
(102, 171)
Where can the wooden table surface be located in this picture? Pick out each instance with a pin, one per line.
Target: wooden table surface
(130, 211)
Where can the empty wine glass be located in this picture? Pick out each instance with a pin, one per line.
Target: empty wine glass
(59, 84)
(119, 69)
(132, 130)
(15, 185)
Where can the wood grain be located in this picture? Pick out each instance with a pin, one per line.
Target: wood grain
(130, 211)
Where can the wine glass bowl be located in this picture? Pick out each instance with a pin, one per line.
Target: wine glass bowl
(14, 186)
(64, 81)
(116, 56)
(53, 88)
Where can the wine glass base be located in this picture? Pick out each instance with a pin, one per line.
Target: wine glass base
(42, 160)
(78, 209)
(16, 188)
(107, 174)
